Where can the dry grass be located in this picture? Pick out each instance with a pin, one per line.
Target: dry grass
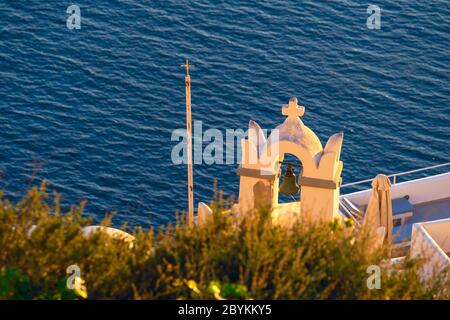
(227, 258)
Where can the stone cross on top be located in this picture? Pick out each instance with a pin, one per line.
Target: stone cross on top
(293, 110)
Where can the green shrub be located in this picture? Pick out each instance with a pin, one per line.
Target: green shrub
(228, 258)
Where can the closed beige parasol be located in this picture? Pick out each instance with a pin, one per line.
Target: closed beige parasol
(379, 209)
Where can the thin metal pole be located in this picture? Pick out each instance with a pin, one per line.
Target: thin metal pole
(190, 217)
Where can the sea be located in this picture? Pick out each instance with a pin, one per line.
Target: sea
(90, 102)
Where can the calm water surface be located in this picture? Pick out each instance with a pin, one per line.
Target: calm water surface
(93, 110)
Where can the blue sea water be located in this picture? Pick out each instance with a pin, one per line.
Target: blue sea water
(93, 110)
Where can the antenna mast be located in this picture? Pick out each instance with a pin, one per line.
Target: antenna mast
(190, 217)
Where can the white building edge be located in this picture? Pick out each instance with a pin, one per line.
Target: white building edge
(422, 206)
(426, 229)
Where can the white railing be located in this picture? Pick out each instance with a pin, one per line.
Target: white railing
(395, 175)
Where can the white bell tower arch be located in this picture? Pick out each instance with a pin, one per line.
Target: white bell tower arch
(260, 167)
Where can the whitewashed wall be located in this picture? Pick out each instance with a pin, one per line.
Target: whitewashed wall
(431, 240)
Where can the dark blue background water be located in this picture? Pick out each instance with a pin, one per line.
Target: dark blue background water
(93, 110)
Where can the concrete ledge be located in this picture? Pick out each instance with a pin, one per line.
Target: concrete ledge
(317, 183)
(255, 173)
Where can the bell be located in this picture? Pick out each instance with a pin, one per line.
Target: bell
(289, 184)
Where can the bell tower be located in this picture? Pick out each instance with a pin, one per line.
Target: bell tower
(260, 168)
